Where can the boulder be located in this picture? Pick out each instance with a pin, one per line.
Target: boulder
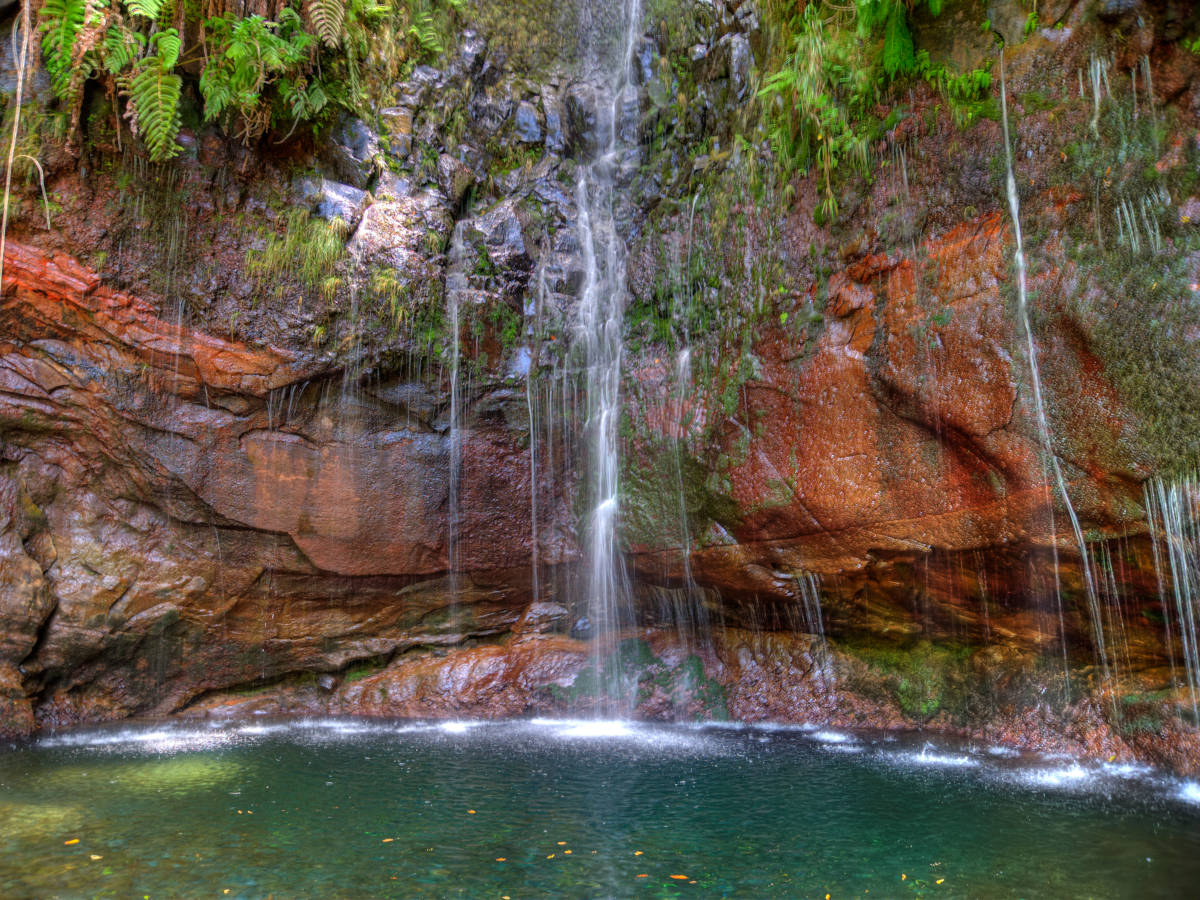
(353, 152)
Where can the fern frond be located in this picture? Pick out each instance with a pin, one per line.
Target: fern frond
(121, 47)
(167, 45)
(898, 56)
(327, 18)
(148, 9)
(61, 22)
(154, 94)
(425, 30)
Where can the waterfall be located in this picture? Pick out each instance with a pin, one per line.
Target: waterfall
(599, 332)
(1173, 513)
(1014, 207)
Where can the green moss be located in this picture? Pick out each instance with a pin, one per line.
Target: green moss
(529, 33)
(361, 670)
(657, 482)
(923, 678)
(1141, 313)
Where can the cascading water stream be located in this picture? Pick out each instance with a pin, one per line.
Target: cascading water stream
(1036, 383)
(599, 337)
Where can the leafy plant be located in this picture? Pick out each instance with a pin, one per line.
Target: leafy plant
(839, 62)
(254, 51)
(153, 108)
(254, 72)
(429, 21)
(814, 100)
(61, 22)
(327, 18)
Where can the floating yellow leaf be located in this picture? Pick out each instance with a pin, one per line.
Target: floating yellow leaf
(388, 840)
(95, 856)
(679, 877)
(826, 897)
(903, 877)
(501, 859)
(562, 843)
(551, 856)
(940, 880)
(637, 852)
(71, 841)
(470, 812)
(567, 852)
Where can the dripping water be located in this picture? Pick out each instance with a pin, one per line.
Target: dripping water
(532, 409)
(1173, 513)
(808, 587)
(455, 287)
(1049, 455)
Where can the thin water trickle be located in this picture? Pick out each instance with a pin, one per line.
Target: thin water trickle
(1049, 456)
(455, 285)
(599, 334)
(1173, 513)
(808, 587)
(691, 621)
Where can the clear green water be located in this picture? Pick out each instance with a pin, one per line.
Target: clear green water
(336, 809)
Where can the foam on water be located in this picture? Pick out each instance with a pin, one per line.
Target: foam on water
(1070, 777)
(1190, 792)
(843, 748)
(1126, 770)
(929, 757)
(597, 729)
(832, 737)
(158, 740)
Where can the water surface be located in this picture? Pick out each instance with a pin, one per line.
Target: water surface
(352, 808)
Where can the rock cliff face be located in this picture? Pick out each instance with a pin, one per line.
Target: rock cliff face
(225, 473)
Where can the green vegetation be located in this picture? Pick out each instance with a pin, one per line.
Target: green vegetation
(255, 73)
(830, 66)
(307, 252)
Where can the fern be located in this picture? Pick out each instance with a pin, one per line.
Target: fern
(61, 22)
(255, 53)
(898, 58)
(424, 29)
(147, 9)
(121, 48)
(154, 95)
(327, 18)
